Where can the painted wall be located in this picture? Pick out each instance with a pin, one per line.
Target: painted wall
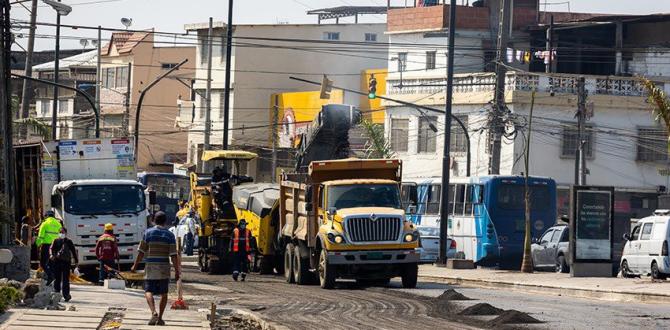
(372, 108)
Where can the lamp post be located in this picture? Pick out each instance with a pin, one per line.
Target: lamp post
(61, 10)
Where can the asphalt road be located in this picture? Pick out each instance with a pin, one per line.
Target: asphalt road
(353, 307)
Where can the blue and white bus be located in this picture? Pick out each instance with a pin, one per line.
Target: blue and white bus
(486, 214)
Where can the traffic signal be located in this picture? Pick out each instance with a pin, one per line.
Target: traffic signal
(326, 88)
(372, 87)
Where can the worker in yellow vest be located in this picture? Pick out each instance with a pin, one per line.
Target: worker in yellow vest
(49, 231)
(241, 247)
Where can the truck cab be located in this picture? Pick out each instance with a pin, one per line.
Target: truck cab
(85, 206)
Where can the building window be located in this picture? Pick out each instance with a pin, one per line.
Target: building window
(570, 143)
(652, 145)
(46, 107)
(371, 37)
(427, 138)
(109, 77)
(222, 99)
(402, 62)
(121, 77)
(168, 66)
(399, 134)
(331, 36)
(204, 49)
(458, 141)
(430, 60)
(62, 106)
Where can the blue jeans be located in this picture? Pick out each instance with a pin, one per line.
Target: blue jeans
(102, 274)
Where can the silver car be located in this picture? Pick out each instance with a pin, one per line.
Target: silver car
(429, 244)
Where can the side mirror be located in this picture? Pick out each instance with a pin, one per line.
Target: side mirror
(55, 201)
(152, 197)
(626, 237)
(565, 218)
(411, 209)
(534, 240)
(332, 211)
(308, 207)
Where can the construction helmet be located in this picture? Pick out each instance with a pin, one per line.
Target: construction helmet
(109, 226)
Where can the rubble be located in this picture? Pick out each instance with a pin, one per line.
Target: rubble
(44, 298)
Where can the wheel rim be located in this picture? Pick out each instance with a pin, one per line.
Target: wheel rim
(654, 270)
(559, 267)
(296, 266)
(624, 269)
(287, 263)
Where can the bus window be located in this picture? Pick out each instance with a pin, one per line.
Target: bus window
(469, 199)
(433, 200)
(459, 199)
(408, 195)
(512, 197)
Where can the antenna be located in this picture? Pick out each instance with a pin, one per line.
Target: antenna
(127, 22)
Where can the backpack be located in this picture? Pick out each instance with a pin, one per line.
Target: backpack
(64, 253)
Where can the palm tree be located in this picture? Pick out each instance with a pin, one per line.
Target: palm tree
(377, 145)
(661, 104)
(24, 125)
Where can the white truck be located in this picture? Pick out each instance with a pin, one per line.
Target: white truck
(89, 183)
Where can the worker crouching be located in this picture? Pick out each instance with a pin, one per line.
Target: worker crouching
(241, 247)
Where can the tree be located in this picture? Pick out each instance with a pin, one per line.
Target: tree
(527, 262)
(661, 104)
(25, 125)
(377, 145)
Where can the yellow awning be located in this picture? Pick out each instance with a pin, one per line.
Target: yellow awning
(227, 154)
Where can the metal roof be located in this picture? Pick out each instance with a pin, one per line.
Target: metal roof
(227, 154)
(83, 60)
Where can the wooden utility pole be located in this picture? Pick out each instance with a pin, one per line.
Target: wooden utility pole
(580, 161)
(527, 261)
(501, 71)
(26, 95)
(126, 114)
(208, 92)
(6, 118)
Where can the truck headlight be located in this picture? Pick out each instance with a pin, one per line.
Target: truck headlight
(335, 238)
(409, 237)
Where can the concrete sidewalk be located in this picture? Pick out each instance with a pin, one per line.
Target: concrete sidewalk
(612, 289)
(92, 303)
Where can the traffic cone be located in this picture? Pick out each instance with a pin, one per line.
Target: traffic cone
(179, 303)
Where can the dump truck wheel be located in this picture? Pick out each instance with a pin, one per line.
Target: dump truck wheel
(410, 272)
(288, 263)
(203, 263)
(300, 267)
(326, 272)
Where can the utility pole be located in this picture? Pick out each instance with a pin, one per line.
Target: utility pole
(27, 94)
(549, 68)
(54, 110)
(527, 261)
(229, 50)
(501, 71)
(98, 74)
(208, 92)
(580, 161)
(6, 119)
(444, 196)
(126, 102)
(273, 130)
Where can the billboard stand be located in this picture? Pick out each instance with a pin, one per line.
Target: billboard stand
(591, 228)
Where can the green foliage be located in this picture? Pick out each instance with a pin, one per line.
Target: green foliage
(35, 125)
(661, 103)
(377, 146)
(9, 296)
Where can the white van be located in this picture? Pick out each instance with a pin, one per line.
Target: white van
(646, 249)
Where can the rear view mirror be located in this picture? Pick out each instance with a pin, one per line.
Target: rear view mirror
(152, 197)
(626, 237)
(332, 210)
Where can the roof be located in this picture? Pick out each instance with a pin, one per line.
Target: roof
(359, 181)
(220, 25)
(124, 42)
(84, 60)
(227, 154)
(95, 182)
(348, 11)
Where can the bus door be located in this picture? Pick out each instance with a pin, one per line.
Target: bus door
(464, 226)
(408, 197)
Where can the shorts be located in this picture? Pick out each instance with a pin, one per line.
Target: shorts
(157, 286)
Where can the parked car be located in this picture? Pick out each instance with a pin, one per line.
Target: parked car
(646, 249)
(429, 244)
(551, 251)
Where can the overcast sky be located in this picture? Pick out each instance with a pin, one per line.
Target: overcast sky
(171, 15)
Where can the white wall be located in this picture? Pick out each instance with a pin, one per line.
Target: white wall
(650, 62)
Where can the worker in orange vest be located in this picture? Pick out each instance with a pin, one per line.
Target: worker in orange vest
(241, 247)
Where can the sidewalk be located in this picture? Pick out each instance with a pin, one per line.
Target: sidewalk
(612, 289)
(92, 303)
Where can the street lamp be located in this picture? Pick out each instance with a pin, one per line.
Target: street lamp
(61, 10)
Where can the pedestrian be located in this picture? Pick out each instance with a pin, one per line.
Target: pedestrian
(191, 232)
(183, 211)
(48, 232)
(61, 254)
(26, 230)
(107, 251)
(241, 247)
(157, 247)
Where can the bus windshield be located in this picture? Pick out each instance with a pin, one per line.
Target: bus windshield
(169, 187)
(364, 195)
(104, 199)
(512, 197)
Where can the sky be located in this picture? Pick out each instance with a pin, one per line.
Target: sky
(171, 15)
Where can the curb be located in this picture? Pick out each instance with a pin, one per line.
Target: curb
(607, 295)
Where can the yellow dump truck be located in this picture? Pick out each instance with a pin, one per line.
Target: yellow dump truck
(211, 198)
(344, 219)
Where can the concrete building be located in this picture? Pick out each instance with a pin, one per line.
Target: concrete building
(76, 117)
(264, 57)
(161, 144)
(625, 147)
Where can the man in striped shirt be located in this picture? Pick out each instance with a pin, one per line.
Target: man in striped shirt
(157, 248)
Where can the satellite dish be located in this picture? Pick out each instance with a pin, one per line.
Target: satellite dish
(94, 42)
(127, 22)
(83, 42)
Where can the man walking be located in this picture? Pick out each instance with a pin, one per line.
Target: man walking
(61, 253)
(191, 231)
(48, 232)
(241, 247)
(157, 248)
(107, 251)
